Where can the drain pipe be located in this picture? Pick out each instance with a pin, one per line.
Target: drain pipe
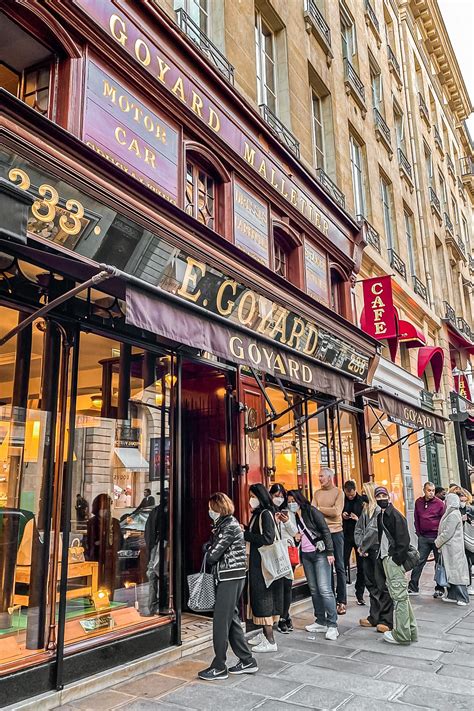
(419, 199)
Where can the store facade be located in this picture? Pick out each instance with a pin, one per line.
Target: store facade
(173, 323)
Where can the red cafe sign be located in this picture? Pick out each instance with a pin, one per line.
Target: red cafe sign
(379, 316)
(462, 386)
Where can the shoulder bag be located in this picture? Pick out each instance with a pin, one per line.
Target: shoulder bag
(275, 559)
(440, 576)
(202, 590)
(469, 536)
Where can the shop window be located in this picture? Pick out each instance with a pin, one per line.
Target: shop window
(347, 448)
(337, 291)
(280, 257)
(386, 460)
(198, 11)
(200, 195)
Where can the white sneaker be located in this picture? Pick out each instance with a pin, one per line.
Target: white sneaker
(470, 590)
(332, 633)
(461, 603)
(315, 628)
(447, 599)
(266, 646)
(257, 639)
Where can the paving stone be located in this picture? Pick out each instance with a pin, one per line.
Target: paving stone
(427, 641)
(358, 703)
(414, 677)
(269, 665)
(183, 669)
(440, 701)
(294, 656)
(141, 704)
(272, 705)
(349, 665)
(413, 651)
(267, 685)
(317, 698)
(458, 657)
(150, 685)
(332, 649)
(201, 696)
(105, 700)
(376, 657)
(457, 672)
(341, 681)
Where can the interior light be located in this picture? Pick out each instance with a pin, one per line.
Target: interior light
(382, 461)
(170, 380)
(96, 401)
(220, 392)
(159, 399)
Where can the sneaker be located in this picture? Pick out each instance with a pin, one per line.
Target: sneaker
(266, 646)
(447, 599)
(360, 601)
(470, 590)
(241, 668)
(364, 622)
(461, 603)
(256, 639)
(283, 627)
(289, 624)
(388, 637)
(413, 592)
(341, 608)
(437, 594)
(316, 628)
(332, 633)
(211, 674)
(383, 628)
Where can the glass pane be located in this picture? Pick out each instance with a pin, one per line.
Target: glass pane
(270, 75)
(348, 451)
(9, 80)
(386, 459)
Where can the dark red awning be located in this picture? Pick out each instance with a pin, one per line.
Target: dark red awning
(433, 355)
(410, 334)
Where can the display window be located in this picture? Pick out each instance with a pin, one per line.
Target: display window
(386, 458)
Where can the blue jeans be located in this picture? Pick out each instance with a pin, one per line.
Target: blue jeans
(318, 575)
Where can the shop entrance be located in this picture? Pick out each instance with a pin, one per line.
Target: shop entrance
(209, 420)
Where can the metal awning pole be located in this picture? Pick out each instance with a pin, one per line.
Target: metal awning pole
(106, 273)
(304, 420)
(396, 441)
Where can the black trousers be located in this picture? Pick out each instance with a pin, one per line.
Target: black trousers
(381, 605)
(226, 627)
(349, 545)
(287, 593)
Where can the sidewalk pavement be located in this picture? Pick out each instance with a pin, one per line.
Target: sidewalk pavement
(358, 672)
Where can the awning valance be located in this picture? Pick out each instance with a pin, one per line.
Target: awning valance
(408, 415)
(433, 355)
(410, 335)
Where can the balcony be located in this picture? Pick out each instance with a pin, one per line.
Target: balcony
(371, 235)
(424, 113)
(318, 27)
(471, 265)
(204, 44)
(280, 130)
(427, 399)
(420, 289)
(397, 263)
(405, 167)
(434, 202)
(456, 246)
(449, 313)
(330, 187)
(394, 65)
(448, 224)
(382, 131)
(372, 21)
(450, 165)
(466, 165)
(464, 327)
(354, 86)
(461, 189)
(438, 140)
(461, 247)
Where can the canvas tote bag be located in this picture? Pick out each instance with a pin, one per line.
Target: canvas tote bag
(275, 559)
(202, 590)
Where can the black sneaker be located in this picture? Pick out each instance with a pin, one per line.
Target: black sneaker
(283, 627)
(211, 674)
(289, 624)
(411, 591)
(241, 668)
(360, 601)
(437, 594)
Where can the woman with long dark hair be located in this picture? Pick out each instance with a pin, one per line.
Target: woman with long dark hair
(317, 556)
(266, 604)
(288, 529)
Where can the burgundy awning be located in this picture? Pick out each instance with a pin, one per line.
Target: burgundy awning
(410, 335)
(435, 356)
(408, 415)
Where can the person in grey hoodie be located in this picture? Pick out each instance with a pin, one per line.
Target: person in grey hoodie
(366, 539)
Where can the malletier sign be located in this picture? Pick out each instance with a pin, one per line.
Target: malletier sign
(127, 30)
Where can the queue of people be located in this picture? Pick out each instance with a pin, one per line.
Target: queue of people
(321, 535)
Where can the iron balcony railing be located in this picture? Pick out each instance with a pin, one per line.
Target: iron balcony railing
(404, 164)
(331, 187)
(318, 22)
(381, 127)
(354, 82)
(461, 190)
(280, 130)
(370, 13)
(471, 264)
(434, 201)
(448, 224)
(461, 246)
(449, 313)
(437, 137)
(420, 289)
(450, 164)
(466, 165)
(464, 327)
(423, 108)
(397, 263)
(371, 235)
(208, 48)
(393, 61)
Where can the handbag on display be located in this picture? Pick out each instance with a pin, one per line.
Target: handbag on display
(440, 573)
(294, 555)
(469, 536)
(275, 558)
(76, 552)
(202, 590)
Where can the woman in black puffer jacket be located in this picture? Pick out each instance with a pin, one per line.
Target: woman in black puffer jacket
(226, 553)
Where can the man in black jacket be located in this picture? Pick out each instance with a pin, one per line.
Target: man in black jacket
(353, 505)
(394, 540)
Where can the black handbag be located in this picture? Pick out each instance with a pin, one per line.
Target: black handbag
(413, 558)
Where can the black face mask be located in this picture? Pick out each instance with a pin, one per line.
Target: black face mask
(364, 498)
(383, 503)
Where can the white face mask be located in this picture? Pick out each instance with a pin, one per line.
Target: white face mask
(214, 515)
(278, 500)
(254, 502)
(293, 506)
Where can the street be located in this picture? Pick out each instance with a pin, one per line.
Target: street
(358, 672)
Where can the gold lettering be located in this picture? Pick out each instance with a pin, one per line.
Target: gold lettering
(307, 374)
(214, 120)
(146, 59)
(263, 169)
(380, 327)
(197, 104)
(225, 310)
(120, 134)
(121, 37)
(124, 103)
(163, 69)
(325, 227)
(246, 310)
(378, 314)
(134, 147)
(109, 91)
(193, 268)
(249, 154)
(294, 197)
(236, 349)
(254, 354)
(293, 368)
(150, 157)
(178, 89)
(280, 326)
(376, 288)
(296, 332)
(272, 180)
(311, 341)
(279, 364)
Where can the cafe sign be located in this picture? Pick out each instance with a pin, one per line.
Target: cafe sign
(379, 317)
(461, 385)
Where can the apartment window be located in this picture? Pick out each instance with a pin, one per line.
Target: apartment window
(200, 195)
(432, 107)
(348, 34)
(318, 131)
(409, 239)
(266, 70)
(399, 126)
(429, 165)
(357, 169)
(281, 258)
(465, 231)
(387, 209)
(376, 87)
(442, 191)
(454, 207)
(198, 11)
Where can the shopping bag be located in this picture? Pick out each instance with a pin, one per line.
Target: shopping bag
(202, 590)
(440, 574)
(469, 536)
(275, 559)
(76, 552)
(294, 555)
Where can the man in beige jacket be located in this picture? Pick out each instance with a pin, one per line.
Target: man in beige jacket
(330, 501)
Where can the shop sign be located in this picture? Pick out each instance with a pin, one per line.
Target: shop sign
(122, 129)
(461, 386)
(379, 312)
(251, 224)
(408, 415)
(316, 273)
(161, 67)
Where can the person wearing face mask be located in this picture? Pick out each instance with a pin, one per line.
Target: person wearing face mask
(226, 553)
(394, 542)
(286, 520)
(266, 604)
(317, 556)
(450, 543)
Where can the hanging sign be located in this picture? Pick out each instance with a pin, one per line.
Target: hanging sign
(461, 386)
(379, 317)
